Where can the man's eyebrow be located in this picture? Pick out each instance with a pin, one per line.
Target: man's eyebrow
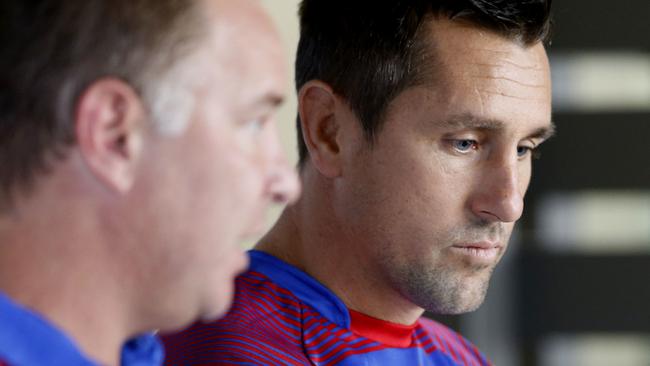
(473, 122)
(544, 133)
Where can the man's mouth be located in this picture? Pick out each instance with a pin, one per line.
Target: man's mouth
(484, 250)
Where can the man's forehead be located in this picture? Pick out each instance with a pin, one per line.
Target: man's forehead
(455, 53)
(245, 45)
(243, 63)
(238, 16)
(470, 58)
(453, 41)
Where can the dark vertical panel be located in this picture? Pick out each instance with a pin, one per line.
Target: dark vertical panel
(573, 294)
(601, 24)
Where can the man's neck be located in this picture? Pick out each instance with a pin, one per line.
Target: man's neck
(306, 237)
(48, 266)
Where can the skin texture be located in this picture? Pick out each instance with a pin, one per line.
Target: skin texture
(419, 220)
(139, 230)
(233, 165)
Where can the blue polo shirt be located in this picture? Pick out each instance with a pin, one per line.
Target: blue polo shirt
(27, 339)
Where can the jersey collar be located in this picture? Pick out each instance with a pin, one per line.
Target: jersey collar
(323, 300)
(302, 285)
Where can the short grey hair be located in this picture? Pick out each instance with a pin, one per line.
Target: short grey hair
(53, 50)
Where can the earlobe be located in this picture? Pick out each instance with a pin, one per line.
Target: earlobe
(108, 129)
(320, 127)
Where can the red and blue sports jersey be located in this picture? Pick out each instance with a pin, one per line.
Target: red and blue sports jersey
(282, 316)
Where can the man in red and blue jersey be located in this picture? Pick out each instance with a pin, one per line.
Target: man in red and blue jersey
(418, 120)
(137, 149)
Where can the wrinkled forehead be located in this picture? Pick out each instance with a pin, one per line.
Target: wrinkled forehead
(459, 48)
(473, 71)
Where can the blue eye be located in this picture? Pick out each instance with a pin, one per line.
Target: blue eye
(524, 150)
(464, 145)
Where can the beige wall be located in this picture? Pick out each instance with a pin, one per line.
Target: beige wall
(285, 16)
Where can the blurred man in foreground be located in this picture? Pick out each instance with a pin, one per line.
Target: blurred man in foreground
(137, 149)
(419, 120)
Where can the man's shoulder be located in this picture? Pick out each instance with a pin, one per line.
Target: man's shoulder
(452, 343)
(258, 299)
(262, 327)
(29, 338)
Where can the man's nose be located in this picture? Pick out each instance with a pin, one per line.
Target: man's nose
(284, 185)
(499, 196)
(282, 182)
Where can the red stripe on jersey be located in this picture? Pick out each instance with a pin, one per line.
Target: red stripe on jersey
(392, 334)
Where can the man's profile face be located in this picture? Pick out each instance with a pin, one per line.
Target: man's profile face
(434, 201)
(213, 182)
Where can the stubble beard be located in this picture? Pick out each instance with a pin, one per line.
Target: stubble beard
(440, 282)
(444, 290)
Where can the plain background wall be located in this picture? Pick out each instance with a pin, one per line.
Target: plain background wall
(285, 16)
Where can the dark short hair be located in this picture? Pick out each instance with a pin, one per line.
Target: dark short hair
(370, 51)
(52, 50)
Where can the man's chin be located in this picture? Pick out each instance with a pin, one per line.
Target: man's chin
(452, 297)
(455, 307)
(218, 310)
(461, 303)
(214, 316)
(220, 297)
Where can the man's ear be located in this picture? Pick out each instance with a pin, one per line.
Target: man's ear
(320, 127)
(109, 130)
